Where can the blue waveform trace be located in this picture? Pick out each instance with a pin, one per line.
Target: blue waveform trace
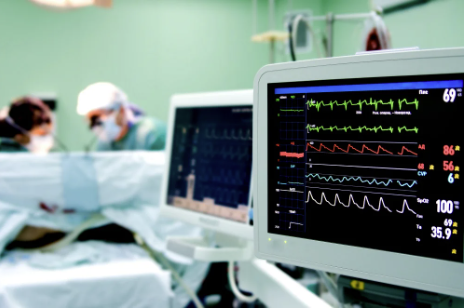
(360, 179)
(407, 184)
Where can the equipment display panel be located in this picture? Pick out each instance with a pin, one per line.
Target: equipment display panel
(375, 163)
(208, 175)
(211, 161)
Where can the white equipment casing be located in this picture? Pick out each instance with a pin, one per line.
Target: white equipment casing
(388, 267)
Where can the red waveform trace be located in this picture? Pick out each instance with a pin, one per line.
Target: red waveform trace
(290, 154)
(405, 149)
(364, 147)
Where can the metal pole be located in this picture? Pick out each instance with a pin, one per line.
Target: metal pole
(272, 51)
(271, 24)
(353, 16)
(316, 18)
(342, 16)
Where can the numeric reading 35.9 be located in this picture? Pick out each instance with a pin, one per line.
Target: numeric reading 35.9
(436, 232)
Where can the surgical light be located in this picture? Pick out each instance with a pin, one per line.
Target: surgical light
(70, 4)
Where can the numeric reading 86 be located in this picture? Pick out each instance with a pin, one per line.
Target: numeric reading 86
(445, 206)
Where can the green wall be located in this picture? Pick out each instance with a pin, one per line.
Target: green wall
(150, 48)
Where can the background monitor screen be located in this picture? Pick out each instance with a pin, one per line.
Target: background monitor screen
(374, 163)
(211, 161)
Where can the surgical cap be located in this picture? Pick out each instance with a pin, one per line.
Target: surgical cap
(100, 95)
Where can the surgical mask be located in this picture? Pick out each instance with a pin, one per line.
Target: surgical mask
(40, 144)
(108, 130)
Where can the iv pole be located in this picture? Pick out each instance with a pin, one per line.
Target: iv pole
(272, 35)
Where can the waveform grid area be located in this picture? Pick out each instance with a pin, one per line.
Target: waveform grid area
(290, 154)
(360, 179)
(346, 129)
(232, 135)
(362, 151)
(360, 103)
(351, 200)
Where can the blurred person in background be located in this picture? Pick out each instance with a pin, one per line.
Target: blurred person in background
(117, 123)
(27, 126)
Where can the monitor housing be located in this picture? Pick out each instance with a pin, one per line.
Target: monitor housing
(221, 147)
(358, 167)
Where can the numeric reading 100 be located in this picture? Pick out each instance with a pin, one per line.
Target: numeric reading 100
(445, 206)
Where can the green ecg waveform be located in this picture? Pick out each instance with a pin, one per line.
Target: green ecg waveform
(360, 103)
(360, 129)
(292, 110)
(403, 128)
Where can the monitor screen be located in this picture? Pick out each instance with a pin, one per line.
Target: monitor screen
(374, 163)
(211, 161)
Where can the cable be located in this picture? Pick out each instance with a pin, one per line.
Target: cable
(60, 144)
(235, 289)
(291, 41)
(90, 144)
(70, 237)
(295, 27)
(96, 218)
(331, 285)
(159, 257)
(293, 34)
(328, 282)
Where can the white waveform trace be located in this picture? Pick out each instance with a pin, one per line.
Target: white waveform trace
(295, 223)
(405, 205)
(351, 200)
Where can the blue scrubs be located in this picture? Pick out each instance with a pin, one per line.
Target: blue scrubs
(9, 145)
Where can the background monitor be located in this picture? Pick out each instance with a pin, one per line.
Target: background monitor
(209, 161)
(360, 167)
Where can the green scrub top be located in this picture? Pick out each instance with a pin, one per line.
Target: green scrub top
(147, 134)
(9, 145)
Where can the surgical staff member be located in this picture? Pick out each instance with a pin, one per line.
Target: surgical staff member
(117, 123)
(27, 127)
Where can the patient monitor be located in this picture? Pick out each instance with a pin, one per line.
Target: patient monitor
(359, 167)
(208, 183)
(209, 161)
